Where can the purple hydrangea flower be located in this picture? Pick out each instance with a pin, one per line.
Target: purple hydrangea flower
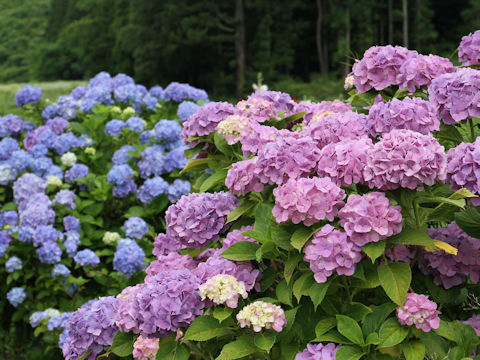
(50, 111)
(66, 198)
(16, 296)
(172, 261)
(64, 142)
(5, 240)
(67, 107)
(28, 95)
(418, 310)
(44, 234)
(8, 218)
(152, 161)
(474, 322)
(370, 218)
(38, 211)
(410, 113)
(241, 177)
(164, 245)
(402, 253)
(380, 67)
(86, 257)
(71, 242)
(197, 219)
(79, 92)
(318, 352)
(469, 49)
(26, 187)
(114, 127)
(129, 257)
(405, 158)
(124, 189)
(13, 263)
(58, 125)
(344, 161)
(177, 189)
(156, 92)
(135, 227)
(307, 199)
(235, 236)
(329, 251)
(25, 234)
(71, 223)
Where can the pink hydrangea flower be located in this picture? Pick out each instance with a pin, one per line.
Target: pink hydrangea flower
(307, 199)
(418, 310)
(410, 113)
(172, 261)
(145, 348)
(241, 178)
(469, 49)
(370, 218)
(330, 251)
(344, 161)
(405, 158)
(322, 108)
(318, 352)
(261, 315)
(235, 236)
(234, 127)
(463, 168)
(263, 105)
(164, 245)
(336, 127)
(380, 67)
(474, 322)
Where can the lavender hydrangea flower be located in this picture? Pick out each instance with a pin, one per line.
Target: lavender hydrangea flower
(455, 96)
(49, 253)
(8, 218)
(66, 198)
(167, 131)
(16, 296)
(28, 95)
(60, 270)
(241, 177)
(91, 328)
(177, 189)
(287, 157)
(463, 163)
(13, 263)
(124, 189)
(318, 352)
(370, 218)
(380, 67)
(197, 219)
(186, 109)
(330, 251)
(135, 227)
(235, 236)
(469, 49)
(71, 243)
(75, 172)
(175, 160)
(114, 127)
(67, 107)
(20, 160)
(307, 199)
(156, 92)
(410, 113)
(205, 120)
(152, 188)
(26, 187)
(38, 211)
(418, 310)
(5, 240)
(261, 315)
(152, 161)
(171, 261)
(58, 322)
(405, 158)
(264, 105)
(86, 258)
(129, 257)
(223, 289)
(71, 223)
(7, 147)
(164, 245)
(474, 322)
(12, 124)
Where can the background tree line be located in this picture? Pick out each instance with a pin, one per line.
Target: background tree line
(217, 45)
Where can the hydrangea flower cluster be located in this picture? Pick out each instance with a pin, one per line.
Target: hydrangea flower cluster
(241, 177)
(264, 105)
(223, 289)
(474, 322)
(469, 49)
(330, 251)
(129, 257)
(145, 348)
(370, 218)
(28, 95)
(321, 109)
(405, 158)
(16, 296)
(135, 227)
(13, 263)
(318, 352)
(261, 314)
(418, 310)
(307, 199)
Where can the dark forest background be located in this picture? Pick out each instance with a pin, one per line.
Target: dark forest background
(218, 45)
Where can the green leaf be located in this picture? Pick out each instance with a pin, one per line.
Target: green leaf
(221, 313)
(442, 200)
(325, 325)
(411, 236)
(290, 317)
(284, 292)
(469, 221)
(395, 279)
(241, 251)
(333, 336)
(392, 333)
(122, 344)
(413, 350)
(462, 194)
(357, 311)
(376, 317)
(302, 285)
(221, 144)
(317, 293)
(214, 179)
(374, 249)
(265, 341)
(291, 264)
(280, 237)
(372, 339)
(203, 328)
(300, 237)
(239, 211)
(348, 353)
(85, 355)
(196, 165)
(435, 346)
(350, 329)
(237, 349)
(169, 349)
(134, 211)
(263, 218)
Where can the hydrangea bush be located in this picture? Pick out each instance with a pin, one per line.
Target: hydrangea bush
(84, 184)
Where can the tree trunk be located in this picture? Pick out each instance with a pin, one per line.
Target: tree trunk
(321, 59)
(390, 22)
(405, 22)
(240, 47)
(346, 70)
(417, 25)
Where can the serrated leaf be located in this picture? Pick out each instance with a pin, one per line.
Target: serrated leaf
(348, 353)
(350, 329)
(374, 249)
(300, 237)
(216, 178)
(237, 349)
(391, 333)
(265, 341)
(413, 350)
(122, 344)
(317, 293)
(239, 211)
(203, 328)
(395, 279)
(241, 251)
(325, 325)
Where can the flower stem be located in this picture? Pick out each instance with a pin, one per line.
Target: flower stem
(417, 216)
(472, 129)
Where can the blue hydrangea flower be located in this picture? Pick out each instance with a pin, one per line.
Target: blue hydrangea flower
(20, 160)
(152, 188)
(67, 107)
(121, 156)
(38, 150)
(71, 242)
(71, 288)
(28, 94)
(135, 124)
(59, 321)
(178, 92)
(167, 131)
(71, 223)
(87, 105)
(12, 124)
(114, 127)
(150, 102)
(128, 94)
(175, 159)
(7, 147)
(152, 162)
(46, 136)
(38, 211)
(58, 125)
(5, 240)
(156, 92)
(186, 109)
(8, 218)
(75, 172)
(13, 263)
(50, 111)
(37, 318)
(66, 198)
(60, 270)
(121, 80)
(7, 174)
(53, 170)
(78, 92)
(86, 257)
(41, 165)
(101, 79)
(119, 174)
(64, 142)
(25, 234)
(177, 189)
(135, 227)
(16, 296)
(146, 136)
(84, 140)
(28, 126)
(100, 94)
(124, 189)
(62, 338)
(49, 253)
(129, 257)
(44, 234)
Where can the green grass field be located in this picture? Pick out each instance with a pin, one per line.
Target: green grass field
(51, 91)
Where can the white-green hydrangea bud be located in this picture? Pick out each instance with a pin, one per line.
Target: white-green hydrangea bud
(54, 181)
(129, 111)
(52, 312)
(7, 227)
(348, 82)
(116, 110)
(90, 150)
(111, 237)
(261, 314)
(68, 159)
(233, 128)
(223, 289)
